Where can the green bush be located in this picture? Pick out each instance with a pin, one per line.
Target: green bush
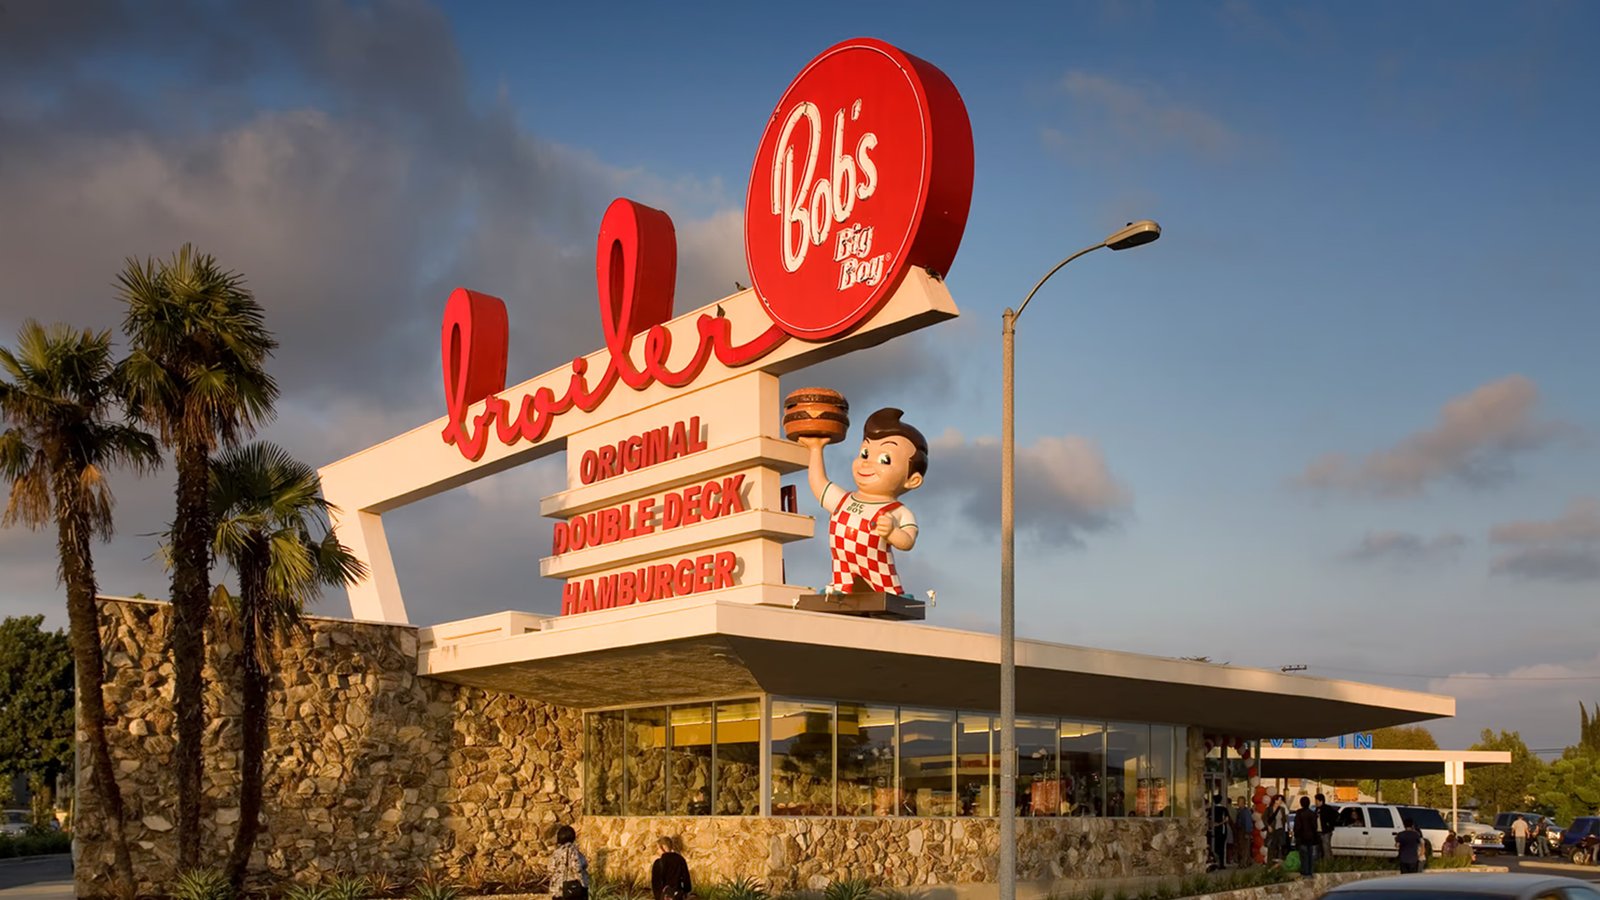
(202, 884)
(35, 842)
(349, 887)
(305, 892)
(742, 888)
(848, 889)
(434, 886)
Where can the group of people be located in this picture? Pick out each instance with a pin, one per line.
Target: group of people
(569, 870)
(1307, 832)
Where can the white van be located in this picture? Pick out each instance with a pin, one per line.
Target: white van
(1368, 829)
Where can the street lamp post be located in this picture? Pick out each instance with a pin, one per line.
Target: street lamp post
(1134, 235)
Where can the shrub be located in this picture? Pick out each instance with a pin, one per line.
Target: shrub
(848, 889)
(383, 884)
(433, 886)
(202, 884)
(349, 887)
(743, 888)
(299, 891)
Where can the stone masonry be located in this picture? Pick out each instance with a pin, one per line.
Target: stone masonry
(369, 768)
(372, 769)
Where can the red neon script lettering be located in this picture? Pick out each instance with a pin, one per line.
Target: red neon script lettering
(636, 263)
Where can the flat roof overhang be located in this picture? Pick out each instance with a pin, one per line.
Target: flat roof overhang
(1331, 763)
(700, 648)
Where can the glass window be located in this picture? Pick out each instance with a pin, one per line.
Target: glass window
(927, 762)
(802, 758)
(1038, 781)
(1424, 817)
(602, 789)
(866, 760)
(689, 769)
(975, 765)
(644, 756)
(1083, 757)
(1351, 817)
(1380, 816)
(1155, 781)
(1127, 749)
(738, 781)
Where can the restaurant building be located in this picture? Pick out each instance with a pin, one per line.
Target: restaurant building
(687, 688)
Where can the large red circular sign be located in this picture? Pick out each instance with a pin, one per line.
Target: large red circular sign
(864, 170)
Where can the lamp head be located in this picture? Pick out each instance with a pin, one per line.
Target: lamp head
(1135, 234)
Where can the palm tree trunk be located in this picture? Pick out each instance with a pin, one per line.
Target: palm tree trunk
(83, 618)
(191, 608)
(252, 590)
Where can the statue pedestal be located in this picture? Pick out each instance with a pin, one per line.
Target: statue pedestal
(872, 604)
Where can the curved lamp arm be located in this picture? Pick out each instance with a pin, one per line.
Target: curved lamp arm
(1059, 266)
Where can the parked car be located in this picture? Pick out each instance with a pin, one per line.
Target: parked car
(1368, 829)
(1480, 835)
(15, 821)
(1458, 885)
(1580, 841)
(1543, 832)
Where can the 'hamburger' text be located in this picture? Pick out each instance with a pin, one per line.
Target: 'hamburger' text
(710, 572)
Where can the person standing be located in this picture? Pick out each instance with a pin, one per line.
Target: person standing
(1307, 831)
(1408, 842)
(669, 874)
(1519, 831)
(1244, 830)
(1219, 832)
(1328, 817)
(569, 870)
(1277, 823)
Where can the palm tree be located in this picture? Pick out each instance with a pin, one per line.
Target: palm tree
(195, 375)
(59, 440)
(272, 529)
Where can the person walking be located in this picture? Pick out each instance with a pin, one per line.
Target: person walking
(1408, 842)
(569, 870)
(1328, 818)
(1519, 830)
(1307, 831)
(669, 874)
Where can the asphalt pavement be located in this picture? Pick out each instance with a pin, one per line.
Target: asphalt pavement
(1534, 865)
(36, 878)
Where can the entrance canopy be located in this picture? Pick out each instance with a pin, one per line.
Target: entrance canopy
(1331, 763)
(701, 647)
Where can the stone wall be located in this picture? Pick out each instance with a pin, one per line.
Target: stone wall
(789, 853)
(370, 768)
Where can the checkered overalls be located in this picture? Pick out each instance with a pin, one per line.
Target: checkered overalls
(859, 553)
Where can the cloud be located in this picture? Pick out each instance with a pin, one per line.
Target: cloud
(1064, 487)
(336, 154)
(1474, 442)
(1115, 119)
(1538, 699)
(1403, 548)
(1566, 548)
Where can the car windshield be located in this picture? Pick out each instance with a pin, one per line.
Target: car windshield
(16, 817)
(1423, 817)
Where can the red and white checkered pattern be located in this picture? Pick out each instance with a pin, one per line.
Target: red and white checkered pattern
(858, 552)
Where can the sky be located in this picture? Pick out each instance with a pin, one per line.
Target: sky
(1342, 415)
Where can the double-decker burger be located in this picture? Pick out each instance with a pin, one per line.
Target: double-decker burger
(815, 412)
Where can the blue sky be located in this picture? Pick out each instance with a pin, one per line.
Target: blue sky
(1371, 211)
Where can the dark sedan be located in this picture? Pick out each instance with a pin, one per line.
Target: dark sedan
(1466, 886)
